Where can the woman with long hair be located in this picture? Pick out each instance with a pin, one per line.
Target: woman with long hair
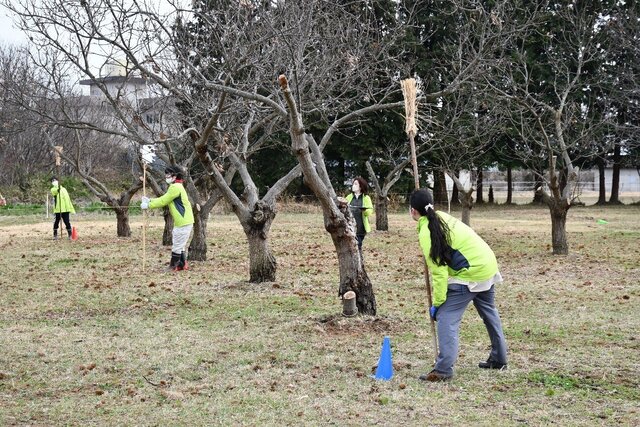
(361, 207)
(463, 269)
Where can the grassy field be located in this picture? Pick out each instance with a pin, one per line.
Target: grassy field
(88, 338)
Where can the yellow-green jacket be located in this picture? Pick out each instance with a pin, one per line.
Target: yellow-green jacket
(366, 203)
(62, 201)
(472, 260)
(178, 201)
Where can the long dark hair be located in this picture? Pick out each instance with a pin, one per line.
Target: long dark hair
(364, 186)
(174, 171)
(440, 248)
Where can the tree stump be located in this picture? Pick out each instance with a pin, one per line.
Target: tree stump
(349, 308)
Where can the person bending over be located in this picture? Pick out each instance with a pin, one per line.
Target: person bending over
(464, 269)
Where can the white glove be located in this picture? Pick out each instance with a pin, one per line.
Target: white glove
(145, 203)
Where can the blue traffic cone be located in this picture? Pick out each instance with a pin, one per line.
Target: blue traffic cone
(384, 371)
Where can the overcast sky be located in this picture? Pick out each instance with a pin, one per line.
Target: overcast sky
(8, 34)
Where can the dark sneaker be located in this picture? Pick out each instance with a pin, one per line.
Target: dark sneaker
(492, 364)
(434, 377)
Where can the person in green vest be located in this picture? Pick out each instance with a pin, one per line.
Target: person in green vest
(361, 208)
(180, 209)
(463, 269)
(62, 207)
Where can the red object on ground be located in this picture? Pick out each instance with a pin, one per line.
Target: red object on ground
(74, 233)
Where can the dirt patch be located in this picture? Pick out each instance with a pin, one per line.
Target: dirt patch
(337, 324)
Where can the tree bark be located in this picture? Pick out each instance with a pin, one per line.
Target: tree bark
(353, 276)
(614, 199)
(122, 218)
(198, 245)
(537, 190)
(337, 216)
(167, 233)
(479, 189)
(455, 196)
(558, 227)
(509, 185)
(262, 262)
(440, 196)
(466, 200)
(602, 191)
(382, 218)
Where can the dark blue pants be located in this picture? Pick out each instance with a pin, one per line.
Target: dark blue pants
(449, 317)
(360, 238)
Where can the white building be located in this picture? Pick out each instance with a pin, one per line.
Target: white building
(146, 110)
(629, 180)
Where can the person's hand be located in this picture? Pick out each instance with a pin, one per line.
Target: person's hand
(145, 203)
(433, 311)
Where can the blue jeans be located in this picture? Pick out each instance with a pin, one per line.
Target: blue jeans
(449, 316)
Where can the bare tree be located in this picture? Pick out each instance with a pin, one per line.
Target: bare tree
(553, 114)
(463, 131)
(22, 151)
(396, 157)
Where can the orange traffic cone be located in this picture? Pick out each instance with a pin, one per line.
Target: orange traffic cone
(74, 233)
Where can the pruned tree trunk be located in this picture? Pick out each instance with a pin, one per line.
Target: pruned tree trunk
(382, 192)
(440, 194)
(466, 200)
(465, 196)
(602, 191)
(382, 209)
(455, 196)
(262, 262)
(509, 185)
(353, 276)
(558, 227)
(614, 199)
(537, 190)
(337, 216)
(122, 219)
(559, 204)
(479, 188)
(167, 235)
(198, 245)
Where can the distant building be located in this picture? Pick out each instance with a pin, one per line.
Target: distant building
(118, 83)
(629, 180)
(147, 111)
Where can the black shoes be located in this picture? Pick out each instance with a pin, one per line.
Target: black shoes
(492, 364)
(434, 377)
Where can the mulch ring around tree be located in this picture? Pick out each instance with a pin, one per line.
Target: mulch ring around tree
(336, 324)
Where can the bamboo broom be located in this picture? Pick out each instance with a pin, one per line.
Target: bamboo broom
(409, 90)
(144, 217)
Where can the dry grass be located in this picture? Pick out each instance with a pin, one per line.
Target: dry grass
(87, 338)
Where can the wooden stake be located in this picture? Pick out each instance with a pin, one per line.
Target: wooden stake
(409, 91)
